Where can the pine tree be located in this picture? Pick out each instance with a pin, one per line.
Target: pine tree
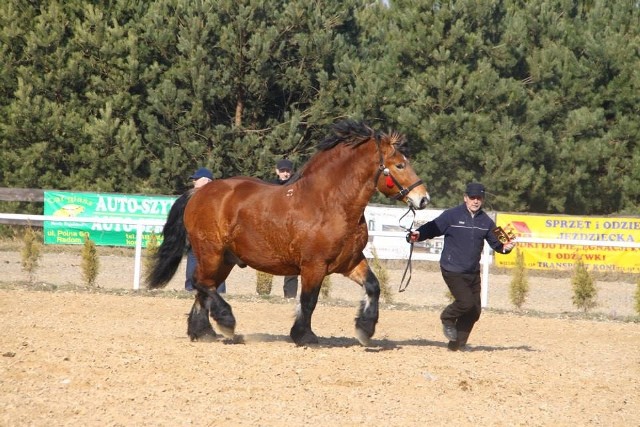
(264, 283)
(584, 290)
(90, 263)
(31, 251)
(530, 98)
(325, 288)
(383, 277)
(248, 75)
(519, 286)
(150, 253)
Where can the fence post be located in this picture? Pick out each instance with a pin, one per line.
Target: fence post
(138, 257)
(486, 260)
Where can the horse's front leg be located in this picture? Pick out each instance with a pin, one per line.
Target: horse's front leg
(368, 313)
(301, 332)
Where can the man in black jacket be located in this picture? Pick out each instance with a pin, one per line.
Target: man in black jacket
(284, 171)
(465, 229)
(200, 178)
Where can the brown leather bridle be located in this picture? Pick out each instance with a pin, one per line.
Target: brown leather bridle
(382, 169)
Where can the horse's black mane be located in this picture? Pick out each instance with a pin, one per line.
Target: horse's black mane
(349, 132)
(354, 133)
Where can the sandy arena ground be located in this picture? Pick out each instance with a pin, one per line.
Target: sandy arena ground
(115, 357)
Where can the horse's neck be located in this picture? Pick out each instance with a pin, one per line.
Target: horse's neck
(344, 175)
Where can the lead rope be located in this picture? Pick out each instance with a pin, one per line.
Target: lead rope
(408, 268)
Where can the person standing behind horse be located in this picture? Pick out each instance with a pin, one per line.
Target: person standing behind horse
(284, 171)
(465, 229)
(200, 178)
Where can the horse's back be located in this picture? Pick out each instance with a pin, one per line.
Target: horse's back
(237, 191)
(245, 217)
(223, 202)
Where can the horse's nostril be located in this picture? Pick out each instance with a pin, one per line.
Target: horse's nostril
(425, 201)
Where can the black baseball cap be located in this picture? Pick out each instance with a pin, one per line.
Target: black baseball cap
(474, 189)
(284, 164)
(202, 173)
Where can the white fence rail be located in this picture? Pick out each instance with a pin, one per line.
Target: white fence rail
(487, 258)
(139, 224)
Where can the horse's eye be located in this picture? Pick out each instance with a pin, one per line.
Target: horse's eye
(400, 166)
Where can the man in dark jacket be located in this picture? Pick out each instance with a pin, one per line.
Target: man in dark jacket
(284, 171)
(201, 177)
(465, 229)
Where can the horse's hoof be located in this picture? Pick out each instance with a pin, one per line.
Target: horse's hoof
(236, 339)
(227, 331)
(306, 339)
(365, 328)
(207, 336)
(200, 332)
(363, 338)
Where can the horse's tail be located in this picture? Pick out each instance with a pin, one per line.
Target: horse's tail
(166, 260)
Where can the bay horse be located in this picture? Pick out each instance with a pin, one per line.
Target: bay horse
(312, 226)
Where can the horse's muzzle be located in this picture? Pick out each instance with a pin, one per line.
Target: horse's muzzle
(424, 201)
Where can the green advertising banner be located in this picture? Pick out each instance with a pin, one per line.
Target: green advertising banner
(105, 206)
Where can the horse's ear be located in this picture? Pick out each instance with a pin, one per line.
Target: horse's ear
(399, 143)
(393, 142)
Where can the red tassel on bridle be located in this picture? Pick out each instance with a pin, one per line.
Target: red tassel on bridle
(389, 182)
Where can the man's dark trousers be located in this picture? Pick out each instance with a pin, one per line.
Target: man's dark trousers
(290, 286)
(465, 311)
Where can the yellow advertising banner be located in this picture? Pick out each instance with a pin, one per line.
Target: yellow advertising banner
(554, 256)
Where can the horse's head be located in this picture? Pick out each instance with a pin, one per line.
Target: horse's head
(396, 178)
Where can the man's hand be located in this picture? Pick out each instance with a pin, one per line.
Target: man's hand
(509, 245)
(412, 236)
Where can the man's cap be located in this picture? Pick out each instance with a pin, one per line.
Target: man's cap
(202, 173)
(284, 164)
(474, 189)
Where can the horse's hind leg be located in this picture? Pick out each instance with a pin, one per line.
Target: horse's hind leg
(198, 324)
(368, 313)
(207, 303)
(210, 273)
(221, 312)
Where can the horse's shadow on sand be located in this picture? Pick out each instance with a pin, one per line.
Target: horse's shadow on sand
(376, 345)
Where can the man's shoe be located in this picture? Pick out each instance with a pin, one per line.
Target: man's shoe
(450, 332)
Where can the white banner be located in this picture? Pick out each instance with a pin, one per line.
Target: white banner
(387, 233)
